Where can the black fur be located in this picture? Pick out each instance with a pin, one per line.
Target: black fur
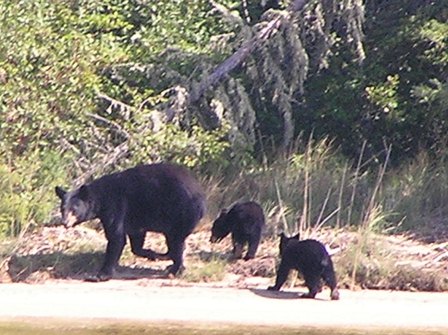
(311, 259)
(161, 198)
(246, 223)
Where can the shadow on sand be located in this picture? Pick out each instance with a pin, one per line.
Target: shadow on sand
(285, 295)
(81, 266)
(276, 294)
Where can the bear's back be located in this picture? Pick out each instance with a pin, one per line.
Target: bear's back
(157, 196)
(161, 178)
(246, 217)
(247, 211)
(305, 254)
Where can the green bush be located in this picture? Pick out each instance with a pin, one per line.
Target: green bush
(27, 190)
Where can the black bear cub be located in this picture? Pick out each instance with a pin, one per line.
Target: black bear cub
(311, 259)
(162, 198)
(246, 223)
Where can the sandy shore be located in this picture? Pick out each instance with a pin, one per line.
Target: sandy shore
(142, 301)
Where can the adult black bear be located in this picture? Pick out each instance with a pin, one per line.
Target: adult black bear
(160, 197)
(246, 223)
(311, 259)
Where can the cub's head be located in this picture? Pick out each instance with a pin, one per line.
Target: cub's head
(76, 206)
(220, 228)
(284, 241)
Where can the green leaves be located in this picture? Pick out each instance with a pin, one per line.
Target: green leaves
(435, 33)
(194, 148)
(385, 95)
(26, 189)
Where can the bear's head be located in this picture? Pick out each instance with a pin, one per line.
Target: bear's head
(284, 241)
(220, 228)
(76, 206)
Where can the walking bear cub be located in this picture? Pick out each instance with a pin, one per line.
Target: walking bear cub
(246, 223)
(311, 259)
(162, 198)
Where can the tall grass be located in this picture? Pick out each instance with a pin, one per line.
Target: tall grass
(306, 190)
(417, 194)
(316, 186)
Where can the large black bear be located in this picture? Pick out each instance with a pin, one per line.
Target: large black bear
(311, 259)
(246, 223)
(162, 197)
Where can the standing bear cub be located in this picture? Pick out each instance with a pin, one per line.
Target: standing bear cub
(162, 198)
(311, 259)
(246, 223)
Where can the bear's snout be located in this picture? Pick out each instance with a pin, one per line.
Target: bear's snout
(69, 220)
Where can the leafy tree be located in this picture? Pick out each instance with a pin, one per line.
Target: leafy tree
(87, 85)
(394, 98)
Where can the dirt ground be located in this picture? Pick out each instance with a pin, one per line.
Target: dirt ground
(155, 301)
(394, 262)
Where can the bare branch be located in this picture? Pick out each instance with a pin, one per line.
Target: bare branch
(110, 159)
(114, 103)
(111, 123)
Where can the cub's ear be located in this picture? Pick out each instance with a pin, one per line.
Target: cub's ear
(83, 193)
(60, 192)
(296, 236)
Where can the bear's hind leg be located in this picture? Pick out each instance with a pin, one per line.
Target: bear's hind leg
(176, 254)
(329, 278)
(137, 241)
(312, 281)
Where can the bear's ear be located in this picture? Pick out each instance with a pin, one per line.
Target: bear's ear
(60, 192)
(283, 242)
(83, 193)
(296, 236)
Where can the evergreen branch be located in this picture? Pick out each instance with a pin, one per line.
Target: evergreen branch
(244, 51)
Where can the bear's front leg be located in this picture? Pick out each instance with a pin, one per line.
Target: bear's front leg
(282, 275)
(238, 244)
(115, 245)
(254, 241)
(237, 250)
